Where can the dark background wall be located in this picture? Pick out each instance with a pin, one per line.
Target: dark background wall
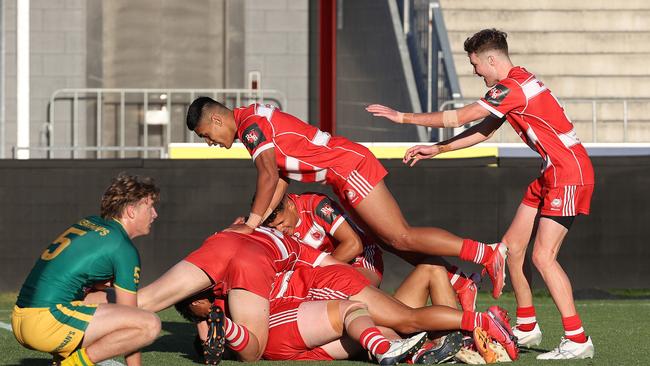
(474, 198)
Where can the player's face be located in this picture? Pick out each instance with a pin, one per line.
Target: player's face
(483, 68)
(145, 214)
(286, 220)
(213, 131)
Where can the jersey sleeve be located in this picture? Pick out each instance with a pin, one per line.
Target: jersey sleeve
(255, 131)
(327, 214)
(126, 267)
(503, 98)
(310, 256)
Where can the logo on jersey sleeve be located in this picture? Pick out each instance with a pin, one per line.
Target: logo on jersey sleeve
(136, 275)
(253, 137)
(497, 94)
(327, 211)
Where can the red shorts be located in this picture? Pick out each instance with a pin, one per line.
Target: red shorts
(371, 259)
(285, 341)
(336, 282)
(228, 271)
(559, 201)
(354, 185)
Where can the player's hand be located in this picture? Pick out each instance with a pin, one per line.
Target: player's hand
(240, 228)
(239, 220)
(420, 152)
(379, 110)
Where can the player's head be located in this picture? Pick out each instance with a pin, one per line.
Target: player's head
(130, 200)
(196, 307)
(284, 218)
(211, 121)
(488, 53)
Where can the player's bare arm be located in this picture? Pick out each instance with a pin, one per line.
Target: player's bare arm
(470, 137)
(452, 118)
(267, 181)
(350, 245)
(280, 191)
(123, 297)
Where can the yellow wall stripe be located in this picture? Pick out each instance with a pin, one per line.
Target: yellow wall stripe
(381, 151)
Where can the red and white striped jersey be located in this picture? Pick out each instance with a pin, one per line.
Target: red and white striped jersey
(302, 151)
(318, 219)
(539, 119)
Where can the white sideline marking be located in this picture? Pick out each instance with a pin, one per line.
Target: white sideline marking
(6, 326)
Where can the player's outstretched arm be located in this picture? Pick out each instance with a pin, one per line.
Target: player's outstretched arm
(280, 190)
(451, 118)
(470, 137)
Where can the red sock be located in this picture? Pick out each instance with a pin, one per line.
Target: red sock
(457, 278)
(475, 251)
(375, 342)
(472, 319)
(236, 335)
(526, 319)
(573, 329)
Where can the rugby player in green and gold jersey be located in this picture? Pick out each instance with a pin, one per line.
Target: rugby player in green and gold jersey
(50, 314)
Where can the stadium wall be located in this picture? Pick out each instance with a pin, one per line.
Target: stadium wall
(471, 197)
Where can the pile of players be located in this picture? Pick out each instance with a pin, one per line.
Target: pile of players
(297, 279)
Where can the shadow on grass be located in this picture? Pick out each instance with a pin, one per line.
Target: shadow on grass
(32, 362)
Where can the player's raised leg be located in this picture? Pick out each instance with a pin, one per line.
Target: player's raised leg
(392, 228)
(575, 343)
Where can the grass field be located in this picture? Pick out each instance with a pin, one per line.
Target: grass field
(620, 330)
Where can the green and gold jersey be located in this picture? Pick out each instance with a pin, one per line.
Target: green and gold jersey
(90, 251)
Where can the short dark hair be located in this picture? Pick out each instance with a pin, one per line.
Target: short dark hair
(485, 40)
(126, 190)
(196, 109)
(183, 306)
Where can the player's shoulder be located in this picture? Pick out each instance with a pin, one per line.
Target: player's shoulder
(326, 209)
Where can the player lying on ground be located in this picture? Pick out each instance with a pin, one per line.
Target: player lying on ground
(49, 315)
(283, 147)
(550, 203)
(316, 220)
(308, 330)
(343, 282)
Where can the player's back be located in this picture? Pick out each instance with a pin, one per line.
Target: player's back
(303, 152)
(84, 254)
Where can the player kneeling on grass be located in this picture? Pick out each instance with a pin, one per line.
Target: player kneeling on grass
(50, 316)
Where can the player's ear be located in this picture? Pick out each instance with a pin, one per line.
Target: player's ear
(217, 119)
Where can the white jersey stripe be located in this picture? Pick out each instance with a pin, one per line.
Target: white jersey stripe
(262, 148)
(278, 243)
(489, 108)
(363, 180)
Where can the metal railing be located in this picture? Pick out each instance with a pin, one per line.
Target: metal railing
(162, 151)
(431, 57)
(146, 108)
(594, 105)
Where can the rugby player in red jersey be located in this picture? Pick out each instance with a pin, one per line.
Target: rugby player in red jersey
(316, 220)
(285, 148)
(552, 201)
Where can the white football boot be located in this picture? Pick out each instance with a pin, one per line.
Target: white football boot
(528, 339)
(569, 350)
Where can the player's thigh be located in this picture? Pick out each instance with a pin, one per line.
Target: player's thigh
(251, 311)
(390, 221)
(549, 238)
(320, 322)
(384, 309)
(109, 318)
(519, 233)
(342, 348)
(414, 290)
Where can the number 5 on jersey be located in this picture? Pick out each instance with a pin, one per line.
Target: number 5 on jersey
(60, 243)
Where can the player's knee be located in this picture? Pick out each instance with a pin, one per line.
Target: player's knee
(150, 327)
(515, 250)
(542, 258)
(352, 310)
(400, 240)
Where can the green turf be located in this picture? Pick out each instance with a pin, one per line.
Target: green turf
(619, 329)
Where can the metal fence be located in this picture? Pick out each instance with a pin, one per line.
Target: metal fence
(616, 113)
(116, 122)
